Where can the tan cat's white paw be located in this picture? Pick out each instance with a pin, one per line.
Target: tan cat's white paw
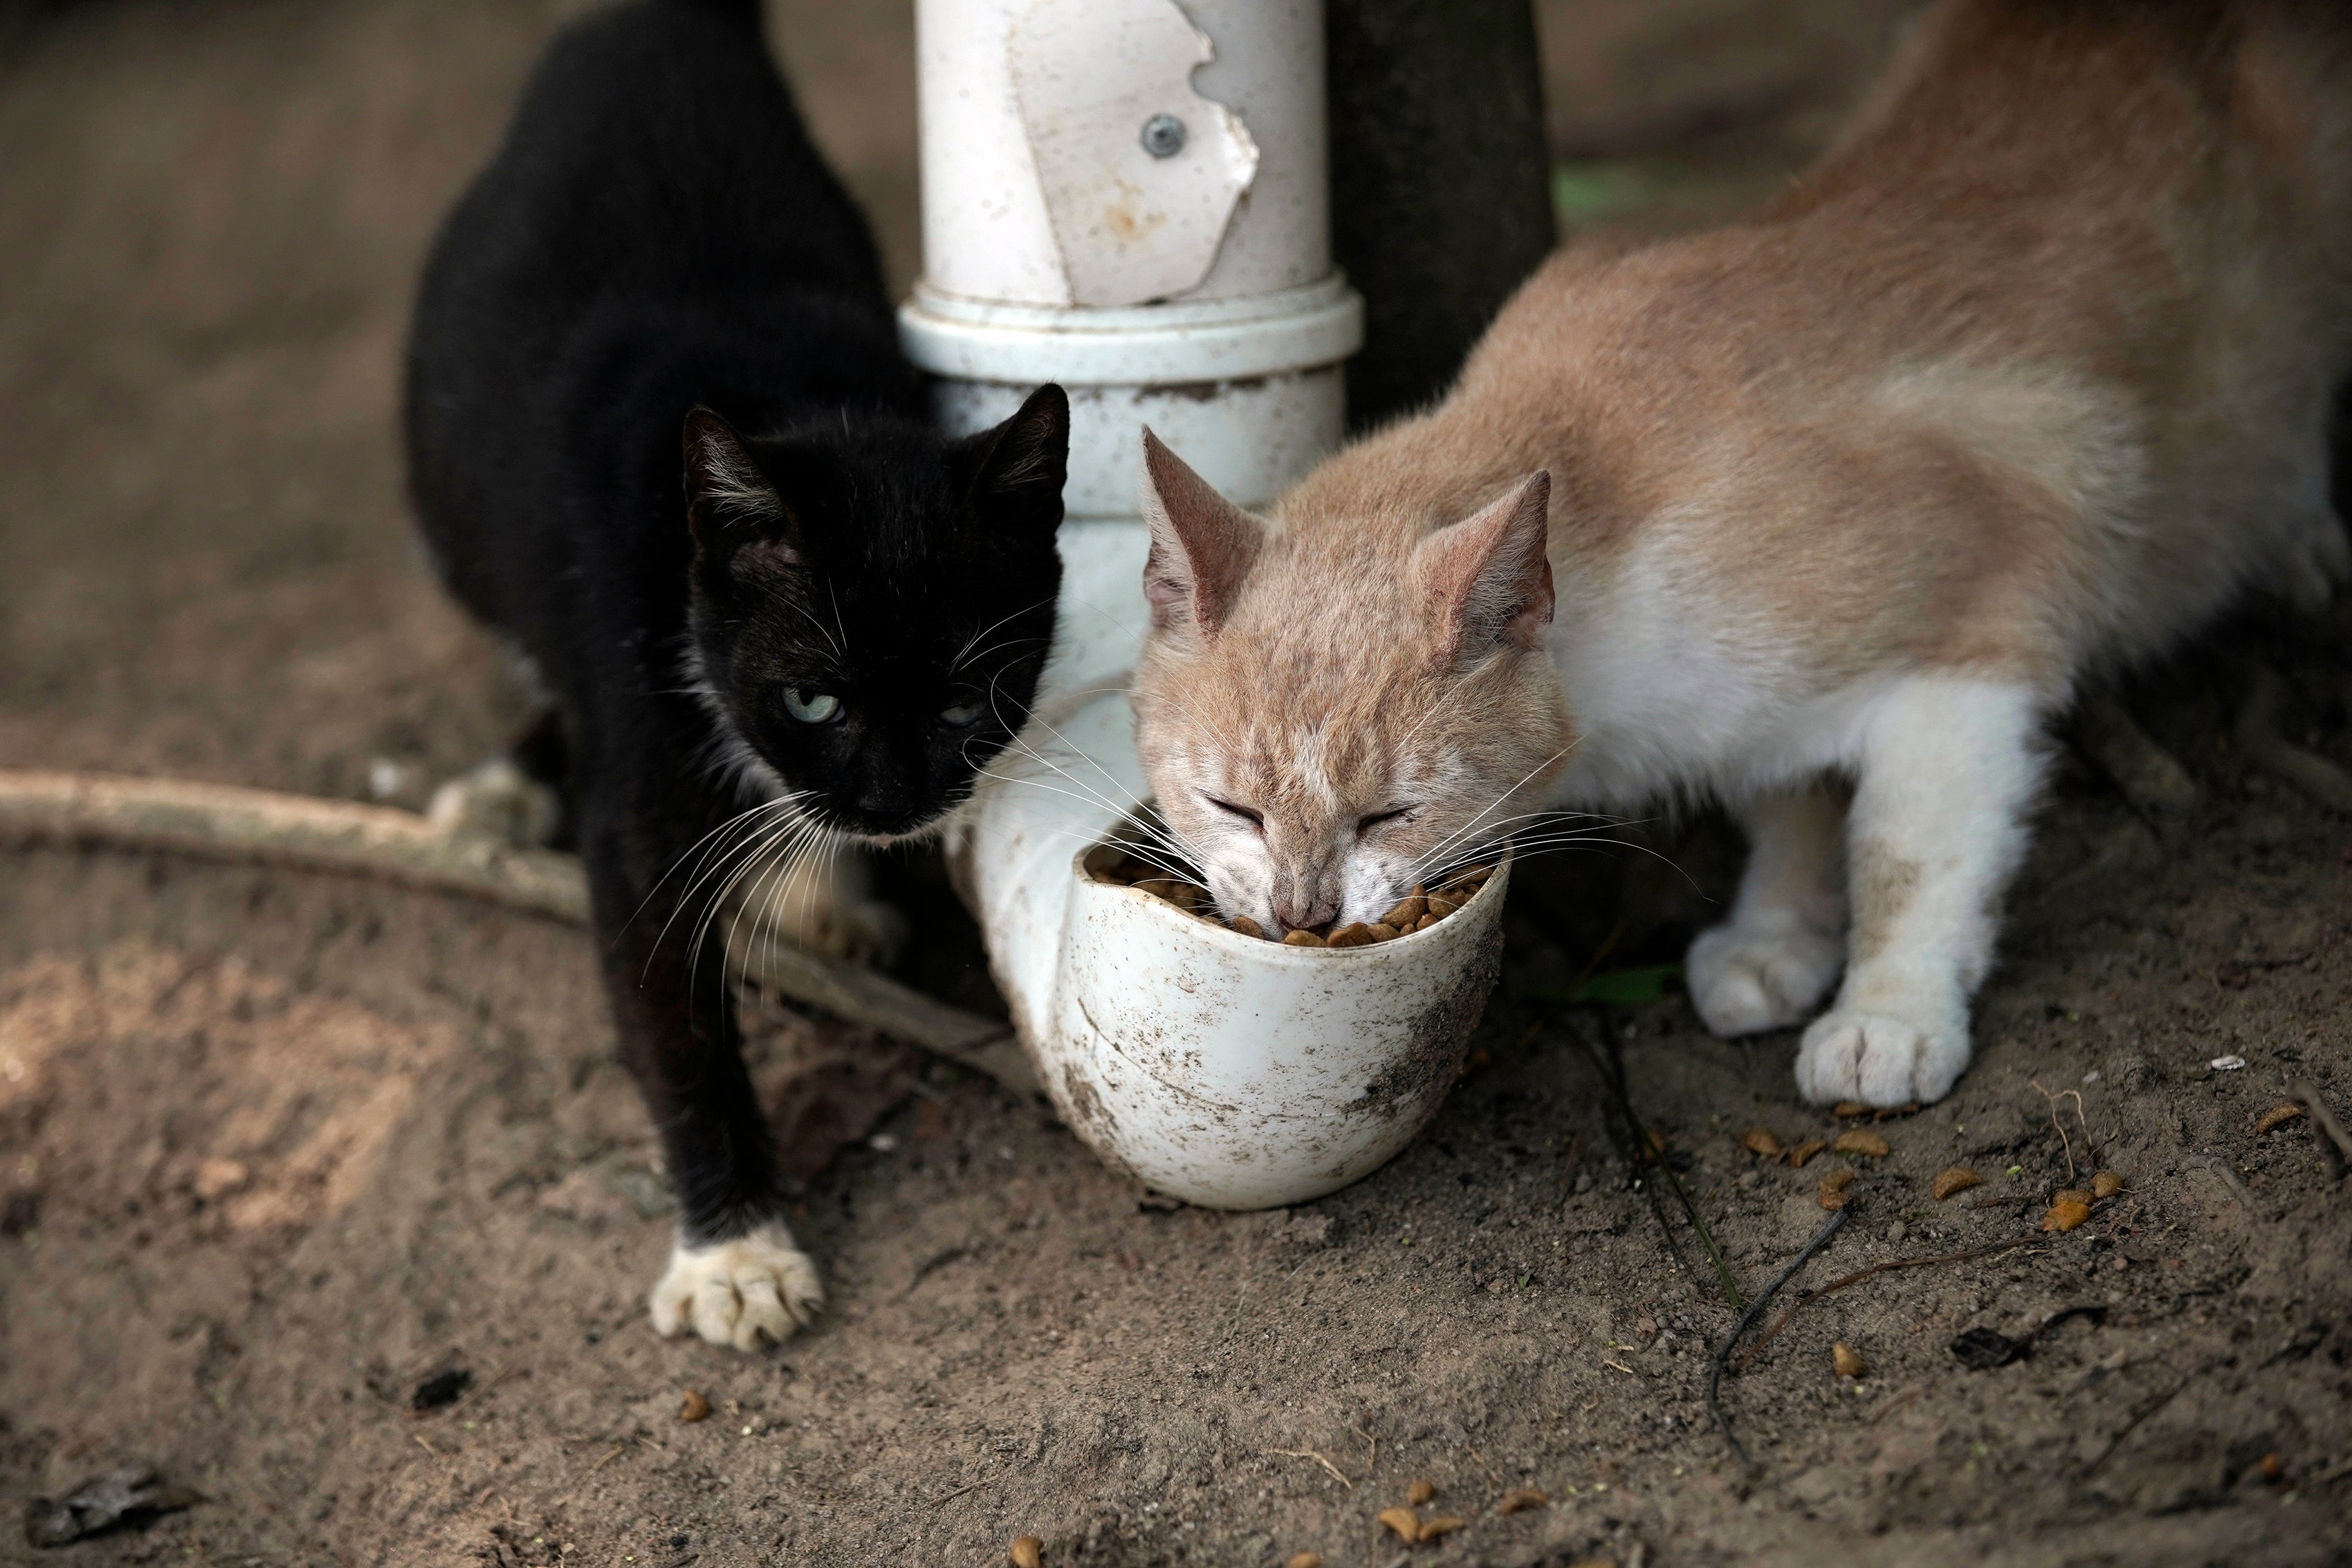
(735, 1292)
(1851, 1054)
(1748, 979)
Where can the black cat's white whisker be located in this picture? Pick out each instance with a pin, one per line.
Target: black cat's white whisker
(742, 824)
(999, 646)
(1129, 807)
(1078, 791)
(775, 860)
(964, 653)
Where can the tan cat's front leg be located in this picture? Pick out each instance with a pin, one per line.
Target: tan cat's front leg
(1949, 768)
(1770, 964)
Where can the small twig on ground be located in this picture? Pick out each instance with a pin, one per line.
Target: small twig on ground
(425, 1446)
(2220, 1167)
(2131, 1426)
(2338, 1144)
(1896, 1402)
(1613, 1076)
(265, 827)
(1715, 1367)
(1859, 1275)
(2060, 1127)
(2261, 737)
(2151, 778)
(1318, 1458)
(1372, 1459)
(969, 1486)
(1569, 1161)
(1619, 1367)
(1624, 1131)
(1600, 956)
(479, 1388)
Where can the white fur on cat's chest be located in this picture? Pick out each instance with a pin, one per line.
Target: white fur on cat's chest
(1673, 695)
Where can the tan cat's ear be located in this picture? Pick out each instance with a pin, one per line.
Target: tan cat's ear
(1202, 544)
(1490, 578)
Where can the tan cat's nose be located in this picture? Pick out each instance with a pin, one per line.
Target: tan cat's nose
(1301, 905)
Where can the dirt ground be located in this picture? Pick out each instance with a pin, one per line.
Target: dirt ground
(277, 1148)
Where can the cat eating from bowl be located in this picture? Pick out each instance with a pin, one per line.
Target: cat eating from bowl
(1825, 516)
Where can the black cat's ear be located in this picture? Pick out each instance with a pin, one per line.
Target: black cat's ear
(728, 501)
(1016, 470)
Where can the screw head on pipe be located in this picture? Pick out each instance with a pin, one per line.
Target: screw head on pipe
(1163, 136)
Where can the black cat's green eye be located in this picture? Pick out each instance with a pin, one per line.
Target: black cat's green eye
(812, 707)
(961, 714)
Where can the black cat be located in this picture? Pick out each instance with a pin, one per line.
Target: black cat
(836, 613)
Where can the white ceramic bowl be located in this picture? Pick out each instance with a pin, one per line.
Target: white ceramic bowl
(1224, 1070)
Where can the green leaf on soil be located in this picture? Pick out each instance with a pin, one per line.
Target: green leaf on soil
(1628, 987)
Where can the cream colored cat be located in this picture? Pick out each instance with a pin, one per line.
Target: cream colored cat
(1825, 516)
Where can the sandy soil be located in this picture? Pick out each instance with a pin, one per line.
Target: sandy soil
(275, 1149)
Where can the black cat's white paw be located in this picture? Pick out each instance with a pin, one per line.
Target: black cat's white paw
(757, 1286)
(497, 801)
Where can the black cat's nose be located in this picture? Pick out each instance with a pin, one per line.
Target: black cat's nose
(887, 811)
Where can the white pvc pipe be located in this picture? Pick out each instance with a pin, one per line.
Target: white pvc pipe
(1130, 197)
(994, 71)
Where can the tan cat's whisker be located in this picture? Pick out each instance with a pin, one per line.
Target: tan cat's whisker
(1506, 795)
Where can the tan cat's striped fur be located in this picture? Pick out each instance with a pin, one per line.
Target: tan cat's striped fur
(1830, 514)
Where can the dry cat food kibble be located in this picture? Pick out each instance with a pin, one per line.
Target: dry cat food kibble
(2277, 1116)
(2066, 1211)
(1954, 1178)
(1417, 911)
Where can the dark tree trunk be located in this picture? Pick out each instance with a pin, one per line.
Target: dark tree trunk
(1440, 194)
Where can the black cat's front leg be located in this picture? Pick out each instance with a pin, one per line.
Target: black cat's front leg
(735, 1275)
